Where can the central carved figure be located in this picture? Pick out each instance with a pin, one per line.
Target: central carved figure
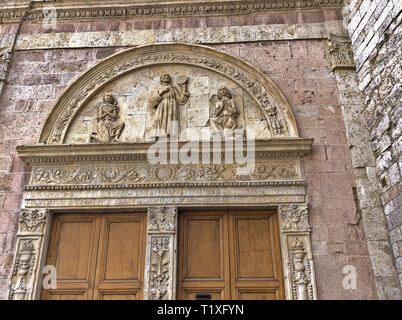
(165, 99)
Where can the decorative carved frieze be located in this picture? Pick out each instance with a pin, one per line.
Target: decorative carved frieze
(5, 57)
(340, 52)
(161, 219)
(296, 252)
(85, 11)
(161, 253)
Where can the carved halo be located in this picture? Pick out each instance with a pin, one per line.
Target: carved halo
(271, 101)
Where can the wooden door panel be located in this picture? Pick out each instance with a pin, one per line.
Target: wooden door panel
(229, 255)
(99, 256)
(121, 255)
(73, 253)
(202, 257)
(253, 252)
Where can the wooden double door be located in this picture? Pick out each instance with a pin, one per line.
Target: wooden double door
(229, 255)
(97, 256)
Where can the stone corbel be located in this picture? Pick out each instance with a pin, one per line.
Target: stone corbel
(296, 252)
(5, 58)
(160, 263)
(29, 252)
(340, 53)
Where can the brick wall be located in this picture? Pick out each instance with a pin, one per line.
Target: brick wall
(376, 33)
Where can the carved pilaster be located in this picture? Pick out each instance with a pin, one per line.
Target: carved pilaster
(296, 252)
(340, 53)
(160, 266)
(29, 250)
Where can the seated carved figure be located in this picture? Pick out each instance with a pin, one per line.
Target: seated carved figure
(225, 112)
(108, 128)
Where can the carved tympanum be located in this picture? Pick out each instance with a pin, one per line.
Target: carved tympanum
(225, 111)
(340, 52)
(107, 127)
(165, 99)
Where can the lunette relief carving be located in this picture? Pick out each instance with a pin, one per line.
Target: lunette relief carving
(107, 126)
(340, 52)
(274, 113)
(296, 252)
(161, 253)
(166, 99)
(225, 111)
(29, 246)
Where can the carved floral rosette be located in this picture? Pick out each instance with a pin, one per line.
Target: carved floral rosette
(296, 252)
(160, 267)
(29, 247)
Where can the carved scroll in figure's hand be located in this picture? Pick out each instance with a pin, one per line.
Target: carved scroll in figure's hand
(225, 111)
(165, 99)
(107, 127)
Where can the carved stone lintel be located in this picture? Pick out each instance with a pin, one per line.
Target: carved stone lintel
(160, 270)
(28, 255)
(340, 52)
(296, 252)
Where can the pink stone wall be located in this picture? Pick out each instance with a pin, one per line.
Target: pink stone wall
(301, 71)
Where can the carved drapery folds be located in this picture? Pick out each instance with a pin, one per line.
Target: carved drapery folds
(28, 253)
(296, 252)
(340, 52)
(160, 267)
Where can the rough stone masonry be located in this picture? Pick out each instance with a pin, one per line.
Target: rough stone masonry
(355, 166)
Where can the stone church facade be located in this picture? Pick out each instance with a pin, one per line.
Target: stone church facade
(311, 89)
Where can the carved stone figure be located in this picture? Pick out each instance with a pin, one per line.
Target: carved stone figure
(5, 56)
(165, 99)
(108, 127)
(225, 112)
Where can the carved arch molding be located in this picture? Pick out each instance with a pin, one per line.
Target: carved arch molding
(92, 155)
